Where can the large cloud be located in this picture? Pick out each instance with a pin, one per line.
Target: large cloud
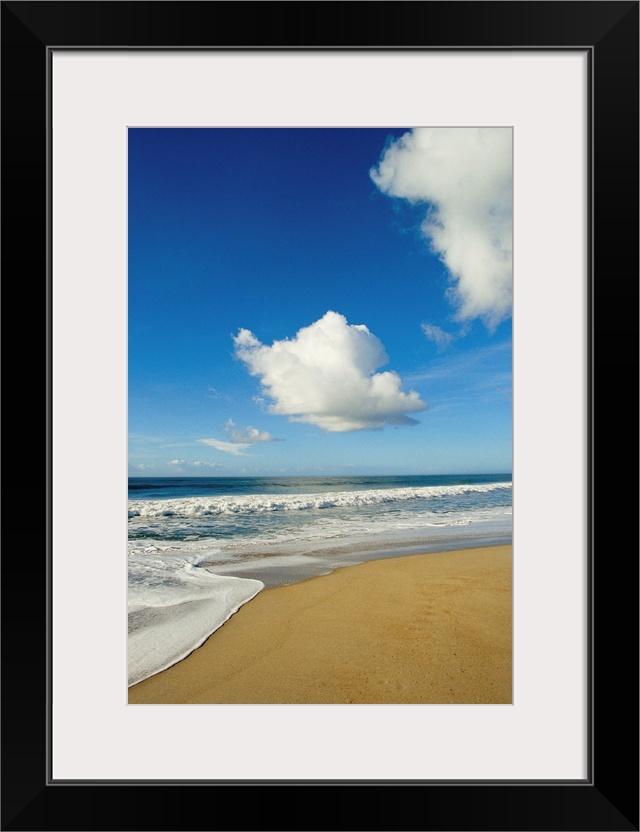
(326, 376)
(465, 175)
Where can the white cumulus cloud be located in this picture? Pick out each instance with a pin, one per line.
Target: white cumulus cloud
(465, 176)
(325, 376)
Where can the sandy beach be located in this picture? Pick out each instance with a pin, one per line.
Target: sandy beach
(421, 629)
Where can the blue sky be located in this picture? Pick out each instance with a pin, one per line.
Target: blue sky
(319, 301)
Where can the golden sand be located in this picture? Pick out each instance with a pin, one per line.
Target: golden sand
(432, 628)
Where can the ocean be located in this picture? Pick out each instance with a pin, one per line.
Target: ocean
(200, 547)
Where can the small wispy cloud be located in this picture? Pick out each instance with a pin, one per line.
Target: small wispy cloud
(438, 335)
(213, 393)
(241, 439)
(494, 357)
(235, 448)
(465, 380)
(248, 435)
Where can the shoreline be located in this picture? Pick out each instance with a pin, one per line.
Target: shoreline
(430, 628)
(291, 571)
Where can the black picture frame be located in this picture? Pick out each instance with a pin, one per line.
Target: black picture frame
(608, 798)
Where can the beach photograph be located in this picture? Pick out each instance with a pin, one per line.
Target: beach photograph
(320, 415)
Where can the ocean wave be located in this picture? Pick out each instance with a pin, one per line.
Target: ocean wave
(262, 504)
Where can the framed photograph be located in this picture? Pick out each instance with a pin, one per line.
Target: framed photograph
(114, 109)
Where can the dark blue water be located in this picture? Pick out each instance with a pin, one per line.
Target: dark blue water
(159, 488)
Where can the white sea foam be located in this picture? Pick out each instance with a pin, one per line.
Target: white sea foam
(263, 503)
(324, 532)
(174, 606)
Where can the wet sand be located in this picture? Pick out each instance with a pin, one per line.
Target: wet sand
(421, 629)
